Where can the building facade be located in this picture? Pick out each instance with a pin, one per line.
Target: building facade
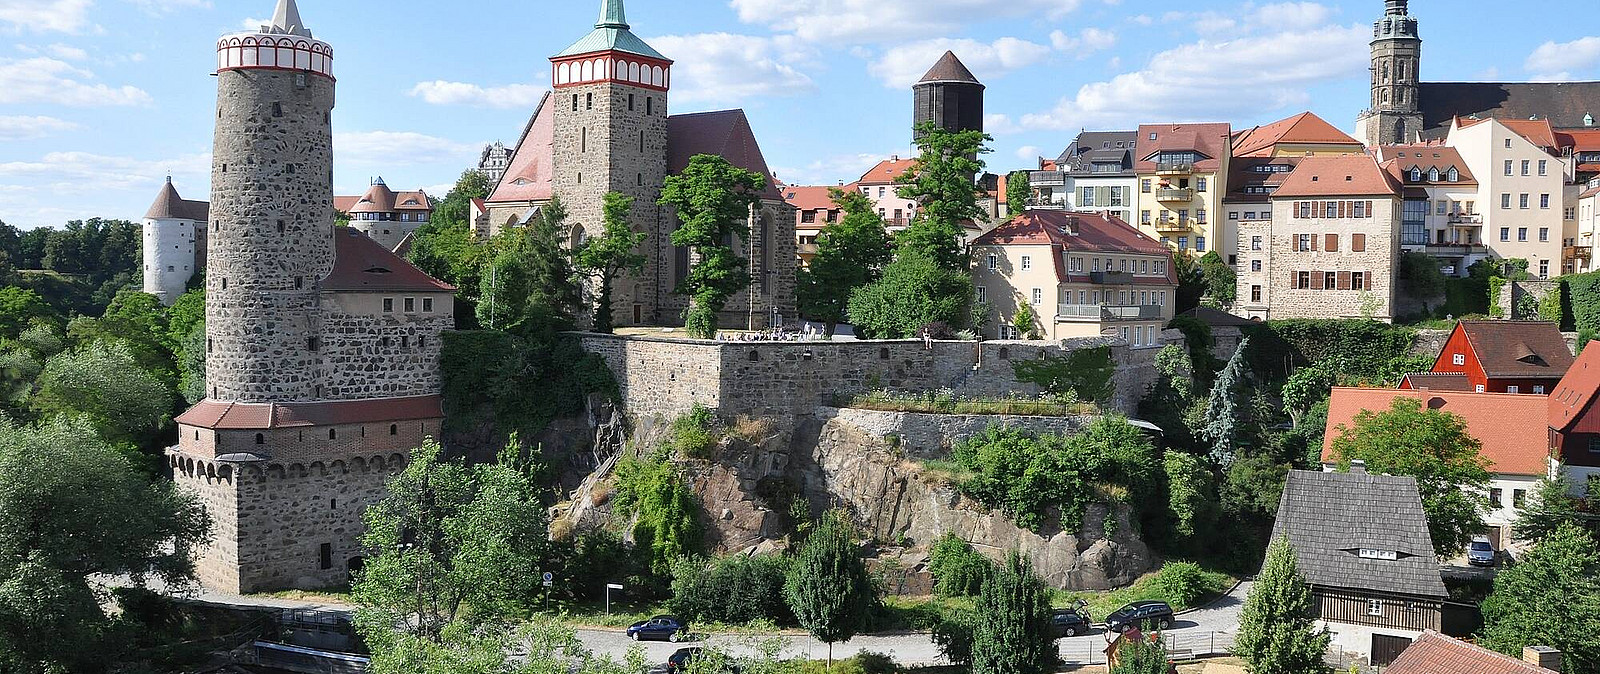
(1181, 170)
(1574, 421)
(1329, 250)
(494, 160)
(814, 209)
(174, 243)
(1094, 175)
(1262, 157)
(1394, 114)
(605, 128)
(322, 346)
(1082, 274)
(1522, 180)
(384, 215)
(1440, 216)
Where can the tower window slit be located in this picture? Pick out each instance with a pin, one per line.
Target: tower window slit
(277, 109)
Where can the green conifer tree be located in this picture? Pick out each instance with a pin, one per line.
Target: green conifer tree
(828, 586)
(1012, 634)
(1223, 410)
(1276, 631)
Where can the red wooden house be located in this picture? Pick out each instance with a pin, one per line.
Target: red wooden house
(1506, 356)
(1575, 423)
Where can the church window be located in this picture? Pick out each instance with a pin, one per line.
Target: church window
(583, 141)
(261, 439)
(649, 105)
(333, 434)
(588, 101)
(574, 102)
(394, 429)
(641, 144)
(630, 102)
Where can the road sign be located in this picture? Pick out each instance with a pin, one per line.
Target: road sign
(611, 586)
(549, 579)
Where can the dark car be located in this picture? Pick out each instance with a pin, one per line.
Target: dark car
(681, 659)
(1156, 614)
(1066, 622)
(1481, 553)
(663, 627)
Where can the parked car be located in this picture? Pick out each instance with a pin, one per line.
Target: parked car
(663, 627)
(1068, 622)
(681, 659)
(1156, 614)
(1481, 552)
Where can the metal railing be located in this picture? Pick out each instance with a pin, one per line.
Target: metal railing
(1175, 168)
(1461, 219)
(1175, 194)
(1171, 225)
(1119, 278)
(1108, 312)
(1046, 178)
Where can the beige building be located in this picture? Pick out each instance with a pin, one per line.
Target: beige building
(1181, 170)
(1440, 215)
(1329, 250)
(1084, 274)
(814, 209)
(1521, 181)
(1262, 157)
(385, 215)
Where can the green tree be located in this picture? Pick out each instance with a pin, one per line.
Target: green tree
(1223, 409)
(1018, 191)
(1305, 388)
(103, 382)
(712, 199)
(445, 246)
(851, 253)
(1549, 507)
(1141, 657)
(941, 182)
(450, 544)
(1434, 447)
(1550, 597)
(667, 523)
(1190, 494)
(1085, 373)
(1191, 281)
(957, 569)
(530, 286)
(1026, 320)
(76, 512)
(19, 308)
(1277, 634)
(614, 253)
(1012, 634)
(829, 588)
(1220, 280)
(913, 292)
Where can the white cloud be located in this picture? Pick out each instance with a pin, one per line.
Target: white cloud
(14, 127)
(858, 21)
(165, 6)
(1282, 16)
(1028, 153)
(723, 67)
(1212, 81)
(1086, 42)
(837, 169)
(441, 92)
(68, 52)
(1554, 61)
(71, 171)
(61, 16)
(47, 80)
(900, 67)
(382, 149)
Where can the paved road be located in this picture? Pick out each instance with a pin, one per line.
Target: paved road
(1200, 630)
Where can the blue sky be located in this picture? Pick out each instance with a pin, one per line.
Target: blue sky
(99, 99)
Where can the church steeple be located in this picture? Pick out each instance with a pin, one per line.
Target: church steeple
(1395, 113)
(612, 15)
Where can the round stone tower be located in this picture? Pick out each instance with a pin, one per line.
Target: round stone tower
(271, 220)
(948, 96)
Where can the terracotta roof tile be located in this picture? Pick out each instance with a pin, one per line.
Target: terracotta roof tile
(1435, 653)
(1212, 141)
(886, 172)
(528, 175)
(1580, 140)
(1513, 349)
(1071, 232)
(380, 199)
(361, 264)
(813, 197)
(1572, 400)
(1509, 425)
(1398, 160)
(264, 416)
(1344, 175)
(168, 205)
(1438, 381)
(1536, 131)
(1302, 129)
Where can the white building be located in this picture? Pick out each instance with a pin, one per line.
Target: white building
(1522, 177)
(1094, 175)
(174, 243)
(1441, 215)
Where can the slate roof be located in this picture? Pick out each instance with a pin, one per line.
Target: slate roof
(1330, 517)
(262, 416)
(169, 206)
(1338, 176)
(1563, 103)
(1572, 401)
(949, 70)
(1242, 176)
(1509, 426)
(611, 33)
(1518, 349)
(1302, 129)
(363, 265)
(1435, 653)
(1092, 147)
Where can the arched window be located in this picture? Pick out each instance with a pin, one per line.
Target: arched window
(587, 72)
(333, 434)
(563, 73)
(576, 237)
(1454, 175)
(655, 75)
(394, 429)
(261, 439)
(633, 72)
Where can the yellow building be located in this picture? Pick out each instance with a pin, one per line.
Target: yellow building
(1182, 169)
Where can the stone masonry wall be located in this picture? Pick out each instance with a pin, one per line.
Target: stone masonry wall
(668, 376)
(370, 353)
(930, 436)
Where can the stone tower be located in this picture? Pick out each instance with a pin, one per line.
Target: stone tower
(271, 237)
(174, 243)
(1395, 115)
(610, 97)
(949, 96)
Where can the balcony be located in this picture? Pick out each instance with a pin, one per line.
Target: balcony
(1046, 178)
(1175, 194)
(1577, 252)
(1111, 278)
(1171, 225)
(806, 250)
(1079, 313)
(1174, 169)
(1465, 220)
(1455, 249)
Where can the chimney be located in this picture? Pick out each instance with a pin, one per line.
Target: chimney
(1543, 656)
(894, 157)
(1358, 466)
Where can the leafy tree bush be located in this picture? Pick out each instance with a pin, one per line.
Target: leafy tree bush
(75, 513)
(19, 309)
(1276, 632)
(957, 569)
(851, 253)
(1220, 280)
(913, 292)
(953, 635)
(528, 283)
(1182, 583)
(941, 181)
(1434, 447)
(1168, 401)
(736, 589)
(1086, 373)
(712, 199)
(1141, 657)
(1019, 191)
(828, 586)
(1359, 349)
(614, 253)
(1026, 320)
(1012, 633)
(487, 376)
(1305, 388)
(1190, 495)
(695, 433)
(667, 520)
(1548, 508)
(104, 383)
(1550, 597)
(1583, 293)
(1191, 281)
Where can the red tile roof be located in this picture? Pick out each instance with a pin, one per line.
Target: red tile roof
(725, 133)
(1580, 140)
(1344, 175)
(1573, 398)
(1518, 349)
(264, 416)
(362, 265)
(1424, 157)
(380, 199)
(1212, 141)
(1067, 231)
(1509, 425)
(529, 175)
(886, 172)
(813, 197)
(1591, 192)
(1435, 653)
(1302, 129)
(1536, 131)
(168, 205)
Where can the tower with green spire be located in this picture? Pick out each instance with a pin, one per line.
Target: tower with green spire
(610, 98)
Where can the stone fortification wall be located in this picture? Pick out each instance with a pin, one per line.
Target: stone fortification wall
(668, 376)
(370, 353)
(930, 436)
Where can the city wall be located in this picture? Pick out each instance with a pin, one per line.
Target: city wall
(930, 436)
(668, 376)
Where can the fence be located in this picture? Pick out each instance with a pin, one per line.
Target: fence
(1180, 646)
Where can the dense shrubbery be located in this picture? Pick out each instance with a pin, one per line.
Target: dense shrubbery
(1029, 477)
(957, 569)
(488, 375)
(1365, 349)
(735, 589)
(694, 434)
(1182, 583)
(668, 517)
(1084, 373)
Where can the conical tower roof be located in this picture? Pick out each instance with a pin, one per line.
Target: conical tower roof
(611, 33)
(286, 20)
(949, 70)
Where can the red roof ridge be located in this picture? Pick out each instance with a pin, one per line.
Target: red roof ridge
(1435, 653)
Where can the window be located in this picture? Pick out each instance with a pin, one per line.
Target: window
(1442, 205)
(1525, 166)
(427, 304)
(1200, 242)
(1544, 233)
(1144, 186)
(1255, 265)
(411, 305)
(1144, 217)
(1459, 359)
(1522, 200)
(649, 102)
(1478, 388)
(1303, 243)
(994, 262)
(1183, 243)
(1544, 269)
(1513, 389)
(1027, 262)
(1200, 184)
(1453, 175)
(1518, 497)
(574, 102)
(1509, 163)
(630, 102)
(1331, 243)
(325, 556)
(1330, 280)
(1522, 233)
(1544, 201)
(1302, 280)
(983, 294)
(1358, 280)
(1505, 233)
(1038, 296)
(1416, 174)
(1233, 215)
(1433, 174)
(1255, 293)
(1538, 390)
(1255, 243)
(1496, 497)
(388, 304)
(1505, 200)
(1375, 607)
(1544, 167)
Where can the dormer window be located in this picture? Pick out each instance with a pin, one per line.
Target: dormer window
(1433, 175)
(1373, 553)
(1453, 175)
(1416, 175)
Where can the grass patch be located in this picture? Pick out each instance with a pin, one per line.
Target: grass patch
(943, 471)
(336, 595)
